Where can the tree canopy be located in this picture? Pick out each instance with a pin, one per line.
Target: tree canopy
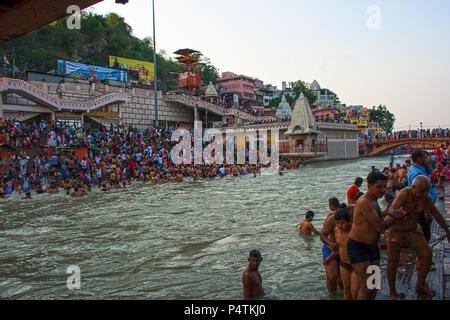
(300, 86)
(99, 37)
(383, 117)
(208, 72)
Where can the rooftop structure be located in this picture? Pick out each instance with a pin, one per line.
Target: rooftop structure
(284, 110)
(188, 80)
(211, 92)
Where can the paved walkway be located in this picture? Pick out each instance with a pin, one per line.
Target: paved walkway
(446, 246)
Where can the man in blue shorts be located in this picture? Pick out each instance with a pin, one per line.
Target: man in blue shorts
(327, 237)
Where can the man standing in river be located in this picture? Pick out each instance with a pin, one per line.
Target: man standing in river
(406, 232)
(354, 190)
(330, 246)
(251, 278)
(367, 225)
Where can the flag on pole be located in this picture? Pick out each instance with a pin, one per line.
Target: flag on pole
(5, 59)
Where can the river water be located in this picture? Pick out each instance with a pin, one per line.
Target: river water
(186, 240)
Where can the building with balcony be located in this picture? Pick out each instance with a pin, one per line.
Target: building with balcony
(327, 115)
(325, 98)
(241, 85)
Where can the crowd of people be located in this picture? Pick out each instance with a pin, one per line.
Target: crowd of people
(115, 157)
(407, 134)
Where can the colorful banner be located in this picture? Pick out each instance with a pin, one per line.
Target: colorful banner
(360, 123)
(192, 81)
(88, 72)
(145, 70)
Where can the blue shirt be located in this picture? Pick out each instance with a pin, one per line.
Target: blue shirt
(417, 170)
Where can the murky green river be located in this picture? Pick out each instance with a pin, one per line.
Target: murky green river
(186, 240)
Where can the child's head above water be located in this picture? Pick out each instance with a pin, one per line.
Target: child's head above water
(309, 215)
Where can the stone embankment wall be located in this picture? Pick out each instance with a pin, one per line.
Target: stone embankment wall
(139, 109)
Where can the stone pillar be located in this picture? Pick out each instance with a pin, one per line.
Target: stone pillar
(53, 116)
(195, 113)
(345, 146)
(1, 105)
(119, 112)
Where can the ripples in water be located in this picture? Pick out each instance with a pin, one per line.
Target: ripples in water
(186, 240)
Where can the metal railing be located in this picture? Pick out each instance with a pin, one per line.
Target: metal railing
(197, 102)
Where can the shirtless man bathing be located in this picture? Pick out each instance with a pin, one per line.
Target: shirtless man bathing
(406, 232)
(362, 244)
(331, 261)
(306, 227)
(251, 278)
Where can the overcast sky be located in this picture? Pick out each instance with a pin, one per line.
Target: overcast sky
(395, 52)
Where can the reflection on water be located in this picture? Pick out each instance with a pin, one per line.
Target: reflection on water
(175, 241)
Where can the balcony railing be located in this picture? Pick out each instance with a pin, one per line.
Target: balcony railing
(284, 147)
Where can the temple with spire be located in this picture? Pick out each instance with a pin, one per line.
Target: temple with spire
(284, 110)
(301, 135)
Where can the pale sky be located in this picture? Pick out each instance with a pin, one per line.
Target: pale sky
(404, 64)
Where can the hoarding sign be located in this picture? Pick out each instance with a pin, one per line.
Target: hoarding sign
(144, 69)
(191, 80)
(236, 100)
(359, 123)
(83, 71)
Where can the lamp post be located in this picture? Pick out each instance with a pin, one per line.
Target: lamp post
(155, 78)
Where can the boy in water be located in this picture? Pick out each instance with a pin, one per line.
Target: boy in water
(329, 241)
(251, 278)
(76, 193)
(306, 227)
(28, 195)
(349, 277)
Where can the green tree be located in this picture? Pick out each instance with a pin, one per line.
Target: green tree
(383, 117)
(274, 103)
(300, 86)
(208, 72)
(99, 37)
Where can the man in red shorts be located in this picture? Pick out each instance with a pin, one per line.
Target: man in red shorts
(354, 190)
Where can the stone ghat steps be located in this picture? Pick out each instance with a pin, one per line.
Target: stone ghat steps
(446, 245)
(35, 94)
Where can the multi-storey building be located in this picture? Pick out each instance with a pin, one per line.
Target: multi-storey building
(241, 85)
